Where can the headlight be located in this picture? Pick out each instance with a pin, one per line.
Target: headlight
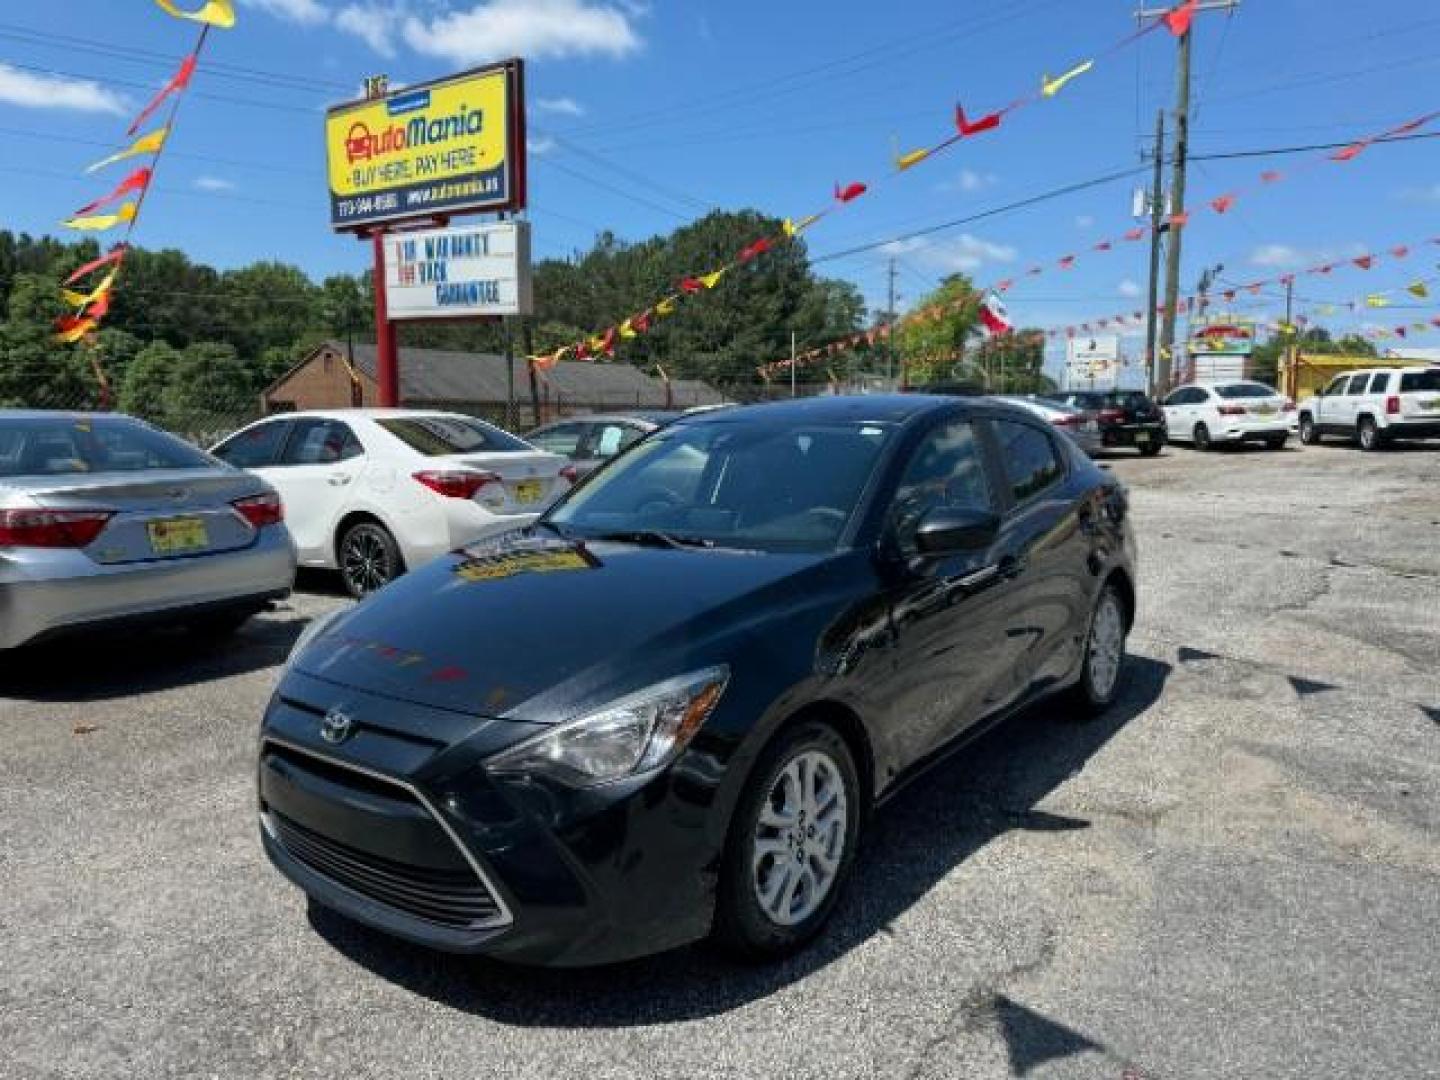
(313, 629)
(635, 734)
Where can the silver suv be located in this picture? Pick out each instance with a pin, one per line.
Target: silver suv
(1374, 407)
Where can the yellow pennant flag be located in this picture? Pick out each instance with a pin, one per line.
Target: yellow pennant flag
(1377, 300)
(146, 144)
(101, 222)
(795, 228)
(665, 307)
(1050, 87)
(914, 157)
(82, 300)
(1418, 289)
(626, 330)
(712, 279)
(1419, 327)
(76, 332)
(219, 13)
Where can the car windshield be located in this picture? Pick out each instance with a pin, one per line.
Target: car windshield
(744, 483)
(65, 445)
(437, 436)
(1245, 390)
(1127, 399)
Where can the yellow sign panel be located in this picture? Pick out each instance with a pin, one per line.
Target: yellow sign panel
(447, 147)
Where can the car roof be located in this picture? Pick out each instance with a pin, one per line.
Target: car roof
(858, 408)
(646, 416)
(62, 414)
(367, 414)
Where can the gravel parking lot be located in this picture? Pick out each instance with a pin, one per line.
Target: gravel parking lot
(1237, 873)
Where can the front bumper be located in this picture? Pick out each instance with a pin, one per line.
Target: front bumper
(47, 591)
(1256, 430)
(414, 838)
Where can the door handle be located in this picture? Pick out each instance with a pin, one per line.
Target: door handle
(339, 481)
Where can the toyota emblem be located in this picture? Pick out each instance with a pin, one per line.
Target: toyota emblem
(336, 726)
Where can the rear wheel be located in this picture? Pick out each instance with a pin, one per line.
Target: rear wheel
(369, 558)
(1309, 433)
(791, 844)
(1104, 660)
(1202, 438)
(1370, 436)
(1151, 448)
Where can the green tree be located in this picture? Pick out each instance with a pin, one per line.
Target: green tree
(35, 371)
(208, 392)
(142, 390)
(934, 348)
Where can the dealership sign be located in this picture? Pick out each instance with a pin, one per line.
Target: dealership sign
(451, 146)
(1223, 339)
(475, 270)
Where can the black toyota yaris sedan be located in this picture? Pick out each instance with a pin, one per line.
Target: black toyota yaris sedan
(666, 710)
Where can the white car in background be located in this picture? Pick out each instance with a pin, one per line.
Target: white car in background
(373, 492)
(1207, 415)
(1374, 407)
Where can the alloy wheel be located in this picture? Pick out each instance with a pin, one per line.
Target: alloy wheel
(800, 838)
(366, 559)
(1107, 645)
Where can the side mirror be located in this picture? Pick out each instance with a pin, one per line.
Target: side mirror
(951, 529)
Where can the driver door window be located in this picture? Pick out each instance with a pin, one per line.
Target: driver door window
(947, 469)
(609, 439)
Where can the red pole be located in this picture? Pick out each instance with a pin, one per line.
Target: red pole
(387, 362)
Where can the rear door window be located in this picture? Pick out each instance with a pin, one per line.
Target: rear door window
(562, 439)
(1358, 383)
(255, 447)
(438, 436)
(1031, 459)
(1245, 390)
(1379, 381)
(947, 469)
(320, 442)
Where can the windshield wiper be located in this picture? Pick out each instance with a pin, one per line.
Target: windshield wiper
(653, 538)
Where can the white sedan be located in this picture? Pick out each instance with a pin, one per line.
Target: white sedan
(1213, 414)
(373, 492)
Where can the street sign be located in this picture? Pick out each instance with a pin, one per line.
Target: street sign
(464, 271)
(452, 146)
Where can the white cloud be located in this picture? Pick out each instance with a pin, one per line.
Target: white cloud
(563, 106)
(1084, 221)
(213, 183)
(968, 180)
(304, 12)
(31, 91)
(372, 24)
(1276, 255)
(964, 254)
(1424, 194)
(534, 29)
(1128, 288)
(538, 144)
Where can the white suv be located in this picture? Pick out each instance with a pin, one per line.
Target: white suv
(1375, 406)
(1212, 414)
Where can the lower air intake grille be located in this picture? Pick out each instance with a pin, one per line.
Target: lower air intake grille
(451, 898)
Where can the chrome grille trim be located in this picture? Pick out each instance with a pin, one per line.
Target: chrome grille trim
(498, 916)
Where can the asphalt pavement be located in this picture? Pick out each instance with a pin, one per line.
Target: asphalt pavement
(1234, 873)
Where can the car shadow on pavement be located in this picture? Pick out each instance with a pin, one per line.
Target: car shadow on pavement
(986, 789)
(101, 666)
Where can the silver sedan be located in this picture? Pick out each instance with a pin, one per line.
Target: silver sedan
(104, 519)
(1074, 422)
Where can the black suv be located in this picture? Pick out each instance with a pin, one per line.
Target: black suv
(1125, 417)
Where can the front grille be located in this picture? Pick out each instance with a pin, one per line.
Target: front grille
(457, 899)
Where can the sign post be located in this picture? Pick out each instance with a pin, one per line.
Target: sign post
(422, 155)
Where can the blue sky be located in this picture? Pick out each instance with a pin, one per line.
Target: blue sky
(643, 114)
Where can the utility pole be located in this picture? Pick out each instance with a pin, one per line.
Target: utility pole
(890, 337)
(1177, 185)
(1157, 207)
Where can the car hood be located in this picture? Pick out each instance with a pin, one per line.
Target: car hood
(535, 629)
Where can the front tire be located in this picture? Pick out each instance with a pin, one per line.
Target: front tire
(1202, 438)
(1103, 664)
(1309, 433)
(1150, 449)
(791, 844)
(369, 558)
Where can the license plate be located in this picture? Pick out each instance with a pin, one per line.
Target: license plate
(1265, 410)
(528, 491)
(174, 536)
(1142, 438)
(1433, 403)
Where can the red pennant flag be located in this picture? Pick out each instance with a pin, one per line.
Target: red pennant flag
(582, 351)
(136, 181)
(641, 322)
(1351, 152)
(1413, 125)
(1400, 252)
(691, 285)
(1066, 262)
(1178, 19)
(1104, 245)
(1180, 220)
(1135, 234)
(1005, 285)
(1324, 268)
(1222, 203)
(1255, 289)
(1035, 271)
(114, 256)
(101, 307)
(607, 342)
(1270, 176)
(849, 191)
(1229, 295)
(974, 127)
(1363, 261)
(1402, 331)
(759, 247)
(178, 82)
